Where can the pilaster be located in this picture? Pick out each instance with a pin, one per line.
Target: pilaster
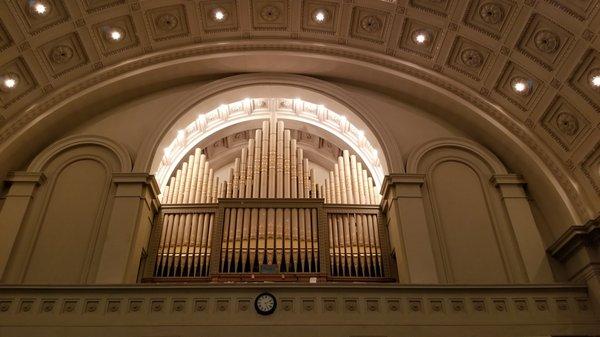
(133, 208)
(408, 229)
(579, 251)
(528, 238)
(23, 186)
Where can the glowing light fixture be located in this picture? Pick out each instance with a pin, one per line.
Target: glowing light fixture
(595, 81)
(320, 15)
(521, 86)
(219, 14)
(9, 81)
(116, 35)
(40, 8)
(421, 38)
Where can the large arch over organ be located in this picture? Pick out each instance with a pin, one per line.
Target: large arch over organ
(274, 216)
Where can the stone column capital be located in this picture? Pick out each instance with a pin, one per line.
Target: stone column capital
(406, 179)
(507, 179)
(509, 185)
(26, 177)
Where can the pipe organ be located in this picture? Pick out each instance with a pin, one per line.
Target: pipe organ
(270, 216)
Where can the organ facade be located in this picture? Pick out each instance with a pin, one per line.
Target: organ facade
(329, 239)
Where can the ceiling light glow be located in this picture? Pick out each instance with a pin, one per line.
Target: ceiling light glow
(421, 38)
(40, 8)
(595, 81)
(320, 16)
(9, 81)
(219, 15)
(520, 86)
(115, 34)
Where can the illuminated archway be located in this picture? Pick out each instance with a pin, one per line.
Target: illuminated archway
(228, 115)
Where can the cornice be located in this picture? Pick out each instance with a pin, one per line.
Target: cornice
(574, 238)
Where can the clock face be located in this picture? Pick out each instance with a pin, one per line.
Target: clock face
(265, 304)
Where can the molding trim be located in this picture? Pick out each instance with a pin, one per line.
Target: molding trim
(488, 157)
(400, 178)
(26, 177)
(507, 179)
(574, 238)
(37, 165)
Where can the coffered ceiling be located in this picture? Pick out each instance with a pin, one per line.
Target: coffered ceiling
(537, 59)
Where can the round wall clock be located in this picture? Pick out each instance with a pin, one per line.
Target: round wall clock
(265, 303)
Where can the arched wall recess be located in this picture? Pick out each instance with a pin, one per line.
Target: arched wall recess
(61, 240)
(466, 212)
(125, 165)
(248, 109)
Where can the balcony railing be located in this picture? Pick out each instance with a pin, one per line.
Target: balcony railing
(268, 239)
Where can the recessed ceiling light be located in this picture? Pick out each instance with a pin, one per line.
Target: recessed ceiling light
(320, 15)
(595, 81)
(40, 7)
(10, 81)
(521, 86)
(116, 34)
(421, 37)
(219, 14)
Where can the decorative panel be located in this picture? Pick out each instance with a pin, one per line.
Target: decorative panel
(581, 80)
(310, 9)
(229, 22)
(512, 74)
(5, 40)
(591, 167)
(413, 28)
(97, 5)
(456, 187)
(579, 9)
(124, 25)
(470, 58)
(438, 7)
(18, 70)
(545, 42)
(489, 17)
(369, 24)
(167, 22)
(80, 187)
(565, 123)
(56, 14)
(270, 15)
(63, 54)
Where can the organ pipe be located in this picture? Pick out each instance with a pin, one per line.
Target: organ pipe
(271, 165)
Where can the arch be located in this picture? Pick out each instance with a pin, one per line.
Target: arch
(40, 161)
(465, 212)
(414, 159)
(226, 116)
(236, 88)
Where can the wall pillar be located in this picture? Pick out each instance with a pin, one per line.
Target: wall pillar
(579, 251)
(408, 228)
(526, 232)
(134, 206)
(23, 186)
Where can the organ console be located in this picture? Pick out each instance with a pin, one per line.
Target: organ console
(271, 215)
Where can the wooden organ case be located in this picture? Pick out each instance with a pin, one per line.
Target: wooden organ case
(270, 220)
